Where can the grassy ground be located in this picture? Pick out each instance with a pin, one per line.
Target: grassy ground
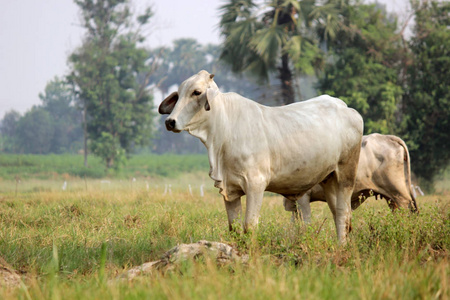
(45, 167)
(55, 238)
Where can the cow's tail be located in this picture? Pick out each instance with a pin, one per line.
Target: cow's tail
(407, 171)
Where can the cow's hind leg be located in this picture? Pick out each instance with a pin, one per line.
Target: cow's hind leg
(343, 211)
(234, 212)
(338, 199)
(290, 205)
(345, 178)
(330, 190)
(300, 208)
(304, 207)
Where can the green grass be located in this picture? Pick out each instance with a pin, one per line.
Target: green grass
(55, 237)
(70, 165)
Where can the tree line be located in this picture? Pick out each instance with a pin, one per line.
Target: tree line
(275, 52)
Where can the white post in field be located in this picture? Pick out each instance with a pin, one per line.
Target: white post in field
(202, 194)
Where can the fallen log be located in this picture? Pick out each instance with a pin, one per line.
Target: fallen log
(222, 253)
(8, 276)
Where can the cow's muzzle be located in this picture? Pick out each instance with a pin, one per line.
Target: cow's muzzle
(170, 124)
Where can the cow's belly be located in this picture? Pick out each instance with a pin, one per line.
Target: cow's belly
(298, 179)
(294, 183)
(291, 189)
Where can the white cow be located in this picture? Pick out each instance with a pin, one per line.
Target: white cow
(253, 148)
(384, 170)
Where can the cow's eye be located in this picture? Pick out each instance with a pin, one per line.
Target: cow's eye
(196, 93)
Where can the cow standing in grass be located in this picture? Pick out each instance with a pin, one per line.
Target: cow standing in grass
(384, 170)
(287, 150)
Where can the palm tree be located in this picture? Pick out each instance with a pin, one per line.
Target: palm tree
(274, 38)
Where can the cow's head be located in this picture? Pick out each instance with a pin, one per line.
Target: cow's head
(187, 107)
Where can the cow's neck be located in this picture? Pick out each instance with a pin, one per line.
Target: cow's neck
(213, 134)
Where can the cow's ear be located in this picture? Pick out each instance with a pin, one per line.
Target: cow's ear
(166, 107)
(210, 95)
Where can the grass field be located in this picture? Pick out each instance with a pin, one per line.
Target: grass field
(71, 166)
(55, 238)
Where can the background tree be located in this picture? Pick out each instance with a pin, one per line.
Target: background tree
(110, 75)
(271, 38)
(8, 131)
(363, 65)
(185, 58)
(35, 131)
(51, 127)
(59, 101)
(427, 100)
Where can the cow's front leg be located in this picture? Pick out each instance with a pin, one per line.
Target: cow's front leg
(234, 212)
(254, 202)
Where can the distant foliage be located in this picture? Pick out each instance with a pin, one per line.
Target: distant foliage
(399, 87)
(427, 101)
(51, 127)
(8, 131)
(364, 65)
(35, 131)
(60, 101)
(109, 74)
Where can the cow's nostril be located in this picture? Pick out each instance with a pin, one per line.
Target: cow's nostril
(170, 124)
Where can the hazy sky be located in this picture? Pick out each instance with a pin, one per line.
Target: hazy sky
(36, 37)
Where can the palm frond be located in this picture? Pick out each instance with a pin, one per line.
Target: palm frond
(242, 31)
(268, 42)
(294, 3)
(328, 18)
(235, 10)
(294, 46)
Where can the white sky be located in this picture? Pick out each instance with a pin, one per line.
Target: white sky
(36, 37)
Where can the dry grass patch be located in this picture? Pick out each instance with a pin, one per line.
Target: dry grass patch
(71, 242)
